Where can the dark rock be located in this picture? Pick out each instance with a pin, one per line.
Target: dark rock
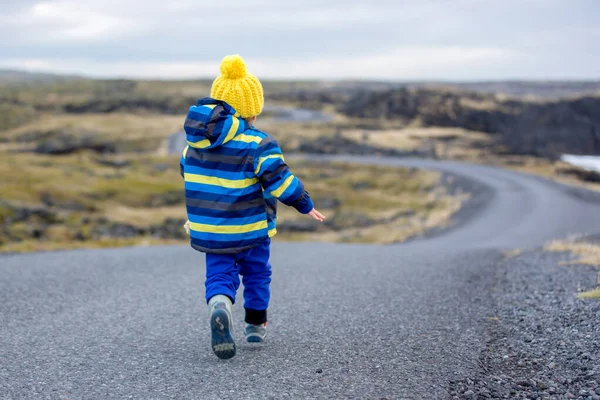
(79, 236)
(36, 231)
(338, 144)
(579, 173)
(165, 199)
(162, 167)
(112, 163)
(29, 213)
(171, 228)
(307, 99)
(327, 202)
(33, 136)
(129, 102)
(362, 185)
(64, 143)
(67, 205)
(304, 225)
(547, 129)
(115, 230)
(349, 219)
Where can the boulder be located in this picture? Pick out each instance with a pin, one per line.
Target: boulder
(20, 213)
(327, 202)
(170, 198)
(580, 173)
(111, 163)
(64, 143)
(301, 226)
(338, 144)
(67, 205)
(115, 230)
(349, 219)
(170, 228)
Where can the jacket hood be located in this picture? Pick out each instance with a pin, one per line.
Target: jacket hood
(210, 123)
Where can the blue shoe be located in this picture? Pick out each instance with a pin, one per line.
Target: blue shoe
(255, 333)
(222, 342)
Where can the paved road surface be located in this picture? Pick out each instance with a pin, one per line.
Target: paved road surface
(347, 321)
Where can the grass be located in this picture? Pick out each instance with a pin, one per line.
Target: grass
(80, 178)
(116, 126)
(76, 192)
(590, 294)
(586, 253)
(399, 203)
(405, 202)
(80, 189)
(512, 253)
(79, 193)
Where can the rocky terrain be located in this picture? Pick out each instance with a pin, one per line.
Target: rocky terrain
(104, 137)
(543, 128)
(59, 197)
(542, 341)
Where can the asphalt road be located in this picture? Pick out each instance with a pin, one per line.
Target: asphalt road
(346, 321)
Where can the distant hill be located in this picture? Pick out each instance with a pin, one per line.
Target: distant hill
(8, 77)
(514, 88)
(541, 89)
(528, 89)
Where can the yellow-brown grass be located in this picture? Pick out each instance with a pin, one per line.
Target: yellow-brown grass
(124, 195)
(587, 253)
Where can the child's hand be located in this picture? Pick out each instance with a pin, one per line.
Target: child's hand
(316, 215)
(186, 226)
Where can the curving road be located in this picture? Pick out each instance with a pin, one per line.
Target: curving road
(347, 321)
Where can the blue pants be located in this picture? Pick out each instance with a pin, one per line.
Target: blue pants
(223, 277)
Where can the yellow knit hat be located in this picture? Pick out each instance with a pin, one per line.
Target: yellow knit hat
(239, 88)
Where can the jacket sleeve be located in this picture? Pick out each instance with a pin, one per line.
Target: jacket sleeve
(182, 162)
(276, 178)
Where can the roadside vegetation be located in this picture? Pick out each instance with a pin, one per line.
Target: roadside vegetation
(583, 252)
(88, 200)
(86, 163)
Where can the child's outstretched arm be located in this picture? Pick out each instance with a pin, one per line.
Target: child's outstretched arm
(276, 178)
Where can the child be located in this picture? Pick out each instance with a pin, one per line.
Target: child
(234, 174)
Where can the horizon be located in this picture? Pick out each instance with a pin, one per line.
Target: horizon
(304, 80)
(434, 40)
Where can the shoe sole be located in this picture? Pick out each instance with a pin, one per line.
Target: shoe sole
(254, 339)
(222, 343)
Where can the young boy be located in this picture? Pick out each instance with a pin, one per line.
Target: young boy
(234, 174)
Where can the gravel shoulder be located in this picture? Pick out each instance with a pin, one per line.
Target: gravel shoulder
(542, 341)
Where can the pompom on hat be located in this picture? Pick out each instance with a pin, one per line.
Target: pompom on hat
(239, 88)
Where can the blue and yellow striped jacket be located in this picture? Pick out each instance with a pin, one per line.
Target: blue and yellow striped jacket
(234, 175)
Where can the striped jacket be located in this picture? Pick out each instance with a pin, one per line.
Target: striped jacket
(234, 175)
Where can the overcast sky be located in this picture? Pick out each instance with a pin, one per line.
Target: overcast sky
(384, 39)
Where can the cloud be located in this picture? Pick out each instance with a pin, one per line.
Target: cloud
(395, 64)
(65, 21)
(387, 39)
